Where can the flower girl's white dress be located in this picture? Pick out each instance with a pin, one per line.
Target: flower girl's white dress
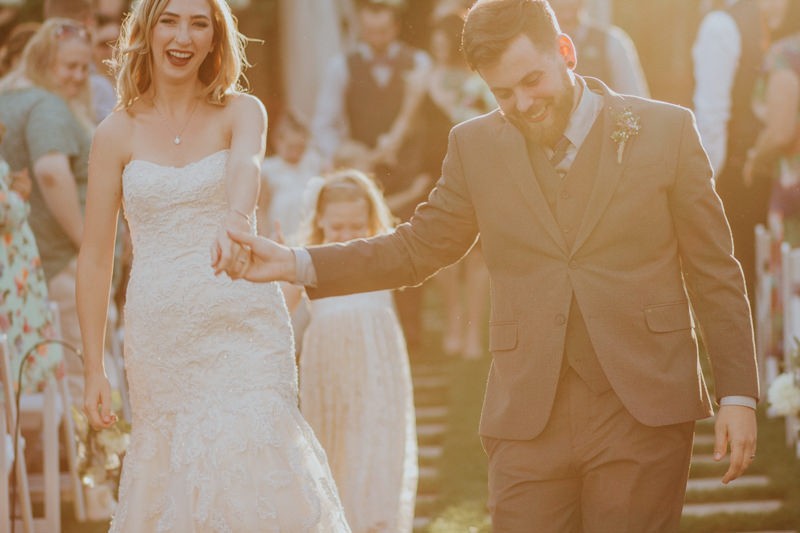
(356, 393)
(218, 443)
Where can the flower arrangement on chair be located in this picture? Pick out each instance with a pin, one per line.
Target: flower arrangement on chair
(100, 455)
(783, 394)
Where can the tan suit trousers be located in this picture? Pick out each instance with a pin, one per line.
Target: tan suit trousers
(593, 469)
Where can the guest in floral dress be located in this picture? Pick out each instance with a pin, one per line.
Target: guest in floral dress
(24, 314)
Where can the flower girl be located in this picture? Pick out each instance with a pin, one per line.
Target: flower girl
(355, 382)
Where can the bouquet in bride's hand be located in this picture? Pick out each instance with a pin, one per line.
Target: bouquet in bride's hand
(100, 452)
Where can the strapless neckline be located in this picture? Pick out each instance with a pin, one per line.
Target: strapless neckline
(180, 167)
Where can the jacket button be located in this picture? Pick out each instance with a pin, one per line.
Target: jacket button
(564, 195)
(573, 264)
(561, 320)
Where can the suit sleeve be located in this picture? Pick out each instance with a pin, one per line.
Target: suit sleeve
(712, 275)
(441, 231)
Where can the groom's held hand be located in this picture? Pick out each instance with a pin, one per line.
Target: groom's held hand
(269, 261)
(735, 425)
(226, 255)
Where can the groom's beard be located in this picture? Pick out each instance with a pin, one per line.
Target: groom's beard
(550, 130)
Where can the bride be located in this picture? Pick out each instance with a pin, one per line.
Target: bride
(218, 443)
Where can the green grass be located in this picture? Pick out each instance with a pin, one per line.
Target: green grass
(462, 503)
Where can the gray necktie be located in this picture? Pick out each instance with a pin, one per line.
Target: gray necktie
(559, 151)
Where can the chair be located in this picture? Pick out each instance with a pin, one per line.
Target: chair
(20, 472)
(763, 307)
(790, 292)
(45, 412)
(6, 458)
(75, 486)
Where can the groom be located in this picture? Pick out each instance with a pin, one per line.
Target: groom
(605, 240)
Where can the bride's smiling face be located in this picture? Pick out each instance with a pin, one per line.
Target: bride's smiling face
(182, 38)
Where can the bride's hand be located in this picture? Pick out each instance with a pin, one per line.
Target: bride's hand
(269, 261)
(97, 401)
(227, 255)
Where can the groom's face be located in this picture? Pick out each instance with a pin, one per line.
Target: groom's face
(534, 87)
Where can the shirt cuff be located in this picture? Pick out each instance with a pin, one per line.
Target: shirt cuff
(744, 401)
(304, 271)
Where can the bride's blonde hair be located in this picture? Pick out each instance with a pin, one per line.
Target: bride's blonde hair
(221, 73)
(34, 67)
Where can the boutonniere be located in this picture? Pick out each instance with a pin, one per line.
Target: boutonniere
(627, 126)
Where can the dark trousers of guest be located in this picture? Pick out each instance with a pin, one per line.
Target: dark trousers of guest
(409, 310)
(395, 179)
(593, 469)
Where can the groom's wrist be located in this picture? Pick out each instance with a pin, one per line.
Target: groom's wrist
(744, 401)
(304, 271)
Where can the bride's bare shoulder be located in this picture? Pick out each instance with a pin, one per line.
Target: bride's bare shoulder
(113, 134)
(242, 105)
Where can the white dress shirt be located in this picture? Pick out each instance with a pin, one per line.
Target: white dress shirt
(716, 54)
(586, 108)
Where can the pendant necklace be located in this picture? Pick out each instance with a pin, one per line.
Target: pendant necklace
(178, 137)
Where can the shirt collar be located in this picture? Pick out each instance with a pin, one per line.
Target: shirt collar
(585, 110)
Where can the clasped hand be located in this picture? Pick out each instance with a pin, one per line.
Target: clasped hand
(229, 256)
(267, 260)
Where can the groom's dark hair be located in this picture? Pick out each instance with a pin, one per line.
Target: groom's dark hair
(491, 25)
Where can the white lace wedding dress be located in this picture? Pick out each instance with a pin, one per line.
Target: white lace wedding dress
(218, 443)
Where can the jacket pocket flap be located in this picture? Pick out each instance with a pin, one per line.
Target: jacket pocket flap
(668, 317)
(502, 336)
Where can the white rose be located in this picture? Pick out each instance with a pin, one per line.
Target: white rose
(784, 395)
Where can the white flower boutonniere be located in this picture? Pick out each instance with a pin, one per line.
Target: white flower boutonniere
(627, 126)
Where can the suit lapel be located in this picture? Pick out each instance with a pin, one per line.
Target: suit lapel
(609, 170)
(514, 152)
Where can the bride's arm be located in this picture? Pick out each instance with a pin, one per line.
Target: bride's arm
(95, 262)
(248, 143)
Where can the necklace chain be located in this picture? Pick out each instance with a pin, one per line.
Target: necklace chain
(177, 139)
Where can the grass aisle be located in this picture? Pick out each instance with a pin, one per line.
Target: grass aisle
(462, 505)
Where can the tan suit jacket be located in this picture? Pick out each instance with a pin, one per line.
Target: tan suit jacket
(653, 239)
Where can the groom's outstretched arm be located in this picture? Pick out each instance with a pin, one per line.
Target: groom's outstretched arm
(441, 231)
